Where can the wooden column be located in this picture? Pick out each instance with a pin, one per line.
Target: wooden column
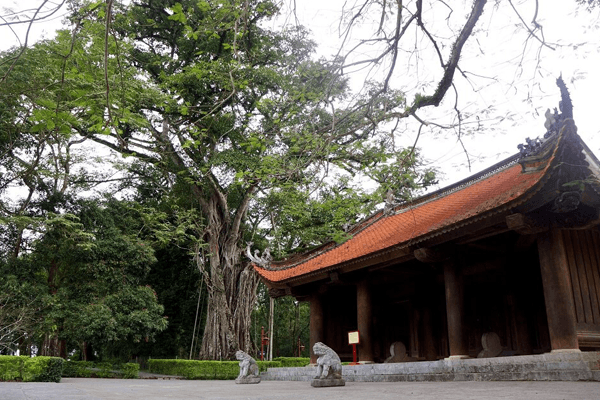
(364, 317)
(316, 324)
(455, 311)
(454, 304)
(558, 293)
(429, 349)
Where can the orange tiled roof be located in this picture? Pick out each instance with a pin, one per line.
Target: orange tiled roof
(415, 221)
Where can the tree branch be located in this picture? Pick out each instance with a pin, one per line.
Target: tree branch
(450, 66)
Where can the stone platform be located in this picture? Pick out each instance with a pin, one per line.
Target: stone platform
(583, 366)
(327, 382)
(248, 380)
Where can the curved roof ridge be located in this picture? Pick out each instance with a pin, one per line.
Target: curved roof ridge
(378, 215)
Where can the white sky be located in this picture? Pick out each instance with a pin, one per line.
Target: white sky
(574, 33)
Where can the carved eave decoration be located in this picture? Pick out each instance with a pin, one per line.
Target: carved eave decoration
(569, 195)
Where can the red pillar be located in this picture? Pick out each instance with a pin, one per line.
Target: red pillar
(364, 317)
(455, 311)
(558, 293)
(316, 324)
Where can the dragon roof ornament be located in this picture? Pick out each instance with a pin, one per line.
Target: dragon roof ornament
(554, 121)
(263, 260)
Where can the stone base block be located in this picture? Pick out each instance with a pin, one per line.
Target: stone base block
(248, 380)
(565, 351)
(327, 382)
(459, 357)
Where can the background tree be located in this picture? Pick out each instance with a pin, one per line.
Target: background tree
(291, 325)
(172, 224)
(17, 313)
(86, 274)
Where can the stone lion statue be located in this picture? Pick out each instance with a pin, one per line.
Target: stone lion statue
(329, 365)
(248, 367)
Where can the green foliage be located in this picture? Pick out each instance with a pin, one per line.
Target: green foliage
(291, 323)
(31, 369)
(303, 221)
(11, 368)
(104, 369)
(85, 280)
(78, 369)
(43, 369)
(87, 369)
(128, 315)
(176, 281)
(20, 305)
(130, 370)
(293, 361)
(203, 370)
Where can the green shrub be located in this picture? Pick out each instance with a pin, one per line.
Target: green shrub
(293, 361)
(31, 369)
(77, 369)
(87, 369)
(42, 369)
(11, 368)
(264, 365)
(52, 371)
(105, 370)
(195, 369)
(130, 370)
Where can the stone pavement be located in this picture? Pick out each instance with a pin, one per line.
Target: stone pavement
(117, 389)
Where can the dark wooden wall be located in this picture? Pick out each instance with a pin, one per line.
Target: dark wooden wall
(503, 294)
(339, 309)
(583, 255)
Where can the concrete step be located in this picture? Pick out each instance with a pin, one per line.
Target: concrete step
(559, 366)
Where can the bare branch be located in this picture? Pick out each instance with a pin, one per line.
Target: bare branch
(452, 63)
(535, 23)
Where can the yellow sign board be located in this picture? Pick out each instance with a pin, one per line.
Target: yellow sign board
(353, 337)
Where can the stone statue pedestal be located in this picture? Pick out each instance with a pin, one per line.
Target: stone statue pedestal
(327, 382)
(248, 380)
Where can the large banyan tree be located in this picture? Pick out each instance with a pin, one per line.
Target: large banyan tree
(239, 114)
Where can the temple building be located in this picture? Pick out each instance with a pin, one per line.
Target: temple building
(511, 254)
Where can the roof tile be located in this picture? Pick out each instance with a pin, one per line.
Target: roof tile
(416, 221)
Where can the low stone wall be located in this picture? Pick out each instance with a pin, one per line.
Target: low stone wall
(584, 366)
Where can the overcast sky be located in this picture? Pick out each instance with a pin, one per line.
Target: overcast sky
(521, 95)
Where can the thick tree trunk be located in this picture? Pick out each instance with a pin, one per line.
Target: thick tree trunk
(53, 347)
(231, 286)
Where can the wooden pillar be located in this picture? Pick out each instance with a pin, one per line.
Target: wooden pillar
(455, 311)
(429, 350)
(364, 317)
(316, 324)
(558, 293)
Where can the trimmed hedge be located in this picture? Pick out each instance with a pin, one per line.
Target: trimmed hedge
(130, 370)
(31, 369)
(203, 369)
(293, 361)
(88, 369)
(78, 369)
(11, 368)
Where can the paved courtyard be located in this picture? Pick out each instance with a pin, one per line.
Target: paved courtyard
(115, 389)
